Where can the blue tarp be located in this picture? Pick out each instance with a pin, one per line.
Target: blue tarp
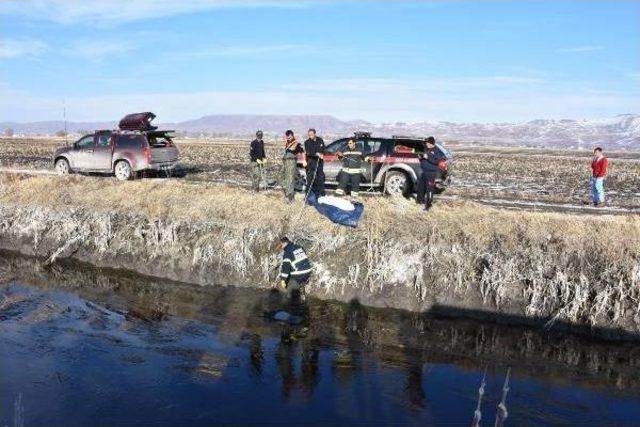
(337, 215)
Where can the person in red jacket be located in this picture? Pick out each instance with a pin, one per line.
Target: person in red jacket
(599, 168)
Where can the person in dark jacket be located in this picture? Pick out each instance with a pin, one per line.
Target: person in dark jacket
(430, 168)
(295, 269)
(314, 163)
(351, 170)
(258, 161)
(290, 164)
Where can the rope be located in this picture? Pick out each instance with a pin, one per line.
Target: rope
(309, 187)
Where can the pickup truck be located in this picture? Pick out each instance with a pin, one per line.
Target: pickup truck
(136, 146)
(394, 167)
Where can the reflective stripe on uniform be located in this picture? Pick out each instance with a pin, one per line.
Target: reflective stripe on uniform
(301, 272)
(351, 170)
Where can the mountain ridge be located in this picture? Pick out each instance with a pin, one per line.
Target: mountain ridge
(619, 132)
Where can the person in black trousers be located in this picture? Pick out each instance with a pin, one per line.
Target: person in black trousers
(258, 161)
(430, 166)
(314, 164)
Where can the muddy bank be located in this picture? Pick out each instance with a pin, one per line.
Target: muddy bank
(463, 259)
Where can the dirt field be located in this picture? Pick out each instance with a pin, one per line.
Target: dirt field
(481, 173)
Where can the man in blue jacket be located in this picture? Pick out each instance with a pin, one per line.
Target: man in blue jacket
(430, 166)
(295, 269)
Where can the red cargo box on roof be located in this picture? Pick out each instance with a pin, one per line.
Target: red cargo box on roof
(138, 121)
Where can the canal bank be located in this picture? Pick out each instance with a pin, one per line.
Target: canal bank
(547, 269)
(79, 341)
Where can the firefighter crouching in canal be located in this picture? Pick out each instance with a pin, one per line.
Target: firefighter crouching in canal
(351, 170)
(258, 161)
(289, 168)
(430, 165)
(295, 269)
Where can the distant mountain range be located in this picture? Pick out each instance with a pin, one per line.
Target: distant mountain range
(621, 132)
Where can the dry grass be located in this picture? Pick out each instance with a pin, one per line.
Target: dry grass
(584, 269)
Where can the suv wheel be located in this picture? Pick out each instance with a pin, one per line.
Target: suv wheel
(62, 167)
(300, 184)
(396, 183)
(123, 170)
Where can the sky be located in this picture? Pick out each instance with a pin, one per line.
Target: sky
(463, 61)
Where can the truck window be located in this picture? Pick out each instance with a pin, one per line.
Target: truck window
(85, 143)
(336, 146)
(370, 146)
(135, 142)
(159, 141)
(104, 140)
(408, 147)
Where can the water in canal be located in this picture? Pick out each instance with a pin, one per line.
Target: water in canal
(82, 346)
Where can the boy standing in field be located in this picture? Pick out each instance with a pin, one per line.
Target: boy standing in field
(258, 161)
(599, 168)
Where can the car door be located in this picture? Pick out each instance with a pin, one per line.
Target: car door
(376, 150)
(332, 164)
(82, 153)
(102, 153)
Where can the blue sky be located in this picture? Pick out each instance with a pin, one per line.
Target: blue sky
(380, 61)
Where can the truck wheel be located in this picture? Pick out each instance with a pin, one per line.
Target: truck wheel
(123, 170)
(62, 167)
(396, 183)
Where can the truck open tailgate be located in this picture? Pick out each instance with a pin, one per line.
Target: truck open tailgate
(164, 154)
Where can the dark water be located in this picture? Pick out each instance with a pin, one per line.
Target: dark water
(80, 346)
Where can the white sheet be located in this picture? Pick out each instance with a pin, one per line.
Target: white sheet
(338, 202)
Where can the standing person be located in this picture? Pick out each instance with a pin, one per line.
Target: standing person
(351, 170)
(599, 166)
(258, 161)
(295, 269)
(430, 166)
(289, 164)
(314, 149)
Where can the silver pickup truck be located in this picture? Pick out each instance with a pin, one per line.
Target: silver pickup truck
(136, 146)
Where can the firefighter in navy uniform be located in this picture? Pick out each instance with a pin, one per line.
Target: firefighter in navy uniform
(351, 170)
(314, 164)
(430, 166)
(295, 269)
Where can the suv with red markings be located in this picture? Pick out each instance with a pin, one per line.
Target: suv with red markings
(394, 167)
(136, 146)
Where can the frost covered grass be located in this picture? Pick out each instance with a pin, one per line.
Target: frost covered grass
(552, 176)
(581, 269)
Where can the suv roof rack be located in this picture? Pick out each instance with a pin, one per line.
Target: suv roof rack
(138, 122)
(362, 135)
(407, 137)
